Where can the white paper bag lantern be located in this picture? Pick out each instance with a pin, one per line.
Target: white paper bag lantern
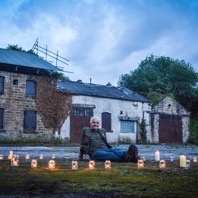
(92, 164)
(107, 164)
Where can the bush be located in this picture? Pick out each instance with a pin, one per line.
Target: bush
(193, 138)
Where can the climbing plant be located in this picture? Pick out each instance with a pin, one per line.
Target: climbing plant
(53, 106)
(143, 131)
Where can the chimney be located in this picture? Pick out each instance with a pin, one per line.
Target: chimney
(108, 84)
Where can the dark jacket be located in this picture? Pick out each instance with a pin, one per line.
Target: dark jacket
(85, 140)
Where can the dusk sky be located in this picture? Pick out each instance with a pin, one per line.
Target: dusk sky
(103, 39)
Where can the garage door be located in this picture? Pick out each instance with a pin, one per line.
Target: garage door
(170, 129)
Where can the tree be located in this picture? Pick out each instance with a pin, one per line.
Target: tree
(54, 106)
(157, 77)
(16, 47)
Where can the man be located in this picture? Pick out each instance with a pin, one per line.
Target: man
(94, 143)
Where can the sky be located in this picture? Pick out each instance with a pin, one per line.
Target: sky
(103, 39)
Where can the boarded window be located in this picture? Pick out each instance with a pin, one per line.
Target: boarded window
(30, 121)
(30, 88)
(82, 111)
(1, 84)
(1, 118)
(127, 126)
(106, 121)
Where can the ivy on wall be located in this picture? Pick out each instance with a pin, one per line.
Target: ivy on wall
(143, 131)
(53, 106)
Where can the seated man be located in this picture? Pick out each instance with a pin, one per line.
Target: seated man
(94, 143)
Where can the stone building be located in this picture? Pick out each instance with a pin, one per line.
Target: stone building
(18, 84)
(119, 109)
(170, 123)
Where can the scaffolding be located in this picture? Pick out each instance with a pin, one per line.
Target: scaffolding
(36, 49)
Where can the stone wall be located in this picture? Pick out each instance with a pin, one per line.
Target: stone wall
(15, 102)
(171, 107)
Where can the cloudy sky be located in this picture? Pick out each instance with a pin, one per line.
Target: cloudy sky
(103, 39)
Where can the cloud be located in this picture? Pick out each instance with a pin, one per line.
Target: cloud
(103, 39)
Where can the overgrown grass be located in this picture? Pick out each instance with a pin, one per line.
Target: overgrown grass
(123, 180)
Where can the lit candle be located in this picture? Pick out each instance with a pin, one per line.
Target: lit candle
(162, 164)
(14, 160)
(140, 163)
(157, 156)
(107, 164)
(51, 164)
(34, 163)
(91, 164)
(182, 161)
(74, 165)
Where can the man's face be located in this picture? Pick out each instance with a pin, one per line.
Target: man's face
(95, 124)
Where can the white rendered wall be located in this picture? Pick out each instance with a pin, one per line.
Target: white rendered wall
(128, 108)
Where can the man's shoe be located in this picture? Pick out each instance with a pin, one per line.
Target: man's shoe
(132, 154)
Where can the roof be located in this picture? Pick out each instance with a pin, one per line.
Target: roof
(104, 91)
(24, 59)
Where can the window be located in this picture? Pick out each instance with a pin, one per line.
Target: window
(30, 88)
(127, 126)
(1, 84)
(15, 82)
(83, 111)
(1, 118)
(106, 121)
(30, 121)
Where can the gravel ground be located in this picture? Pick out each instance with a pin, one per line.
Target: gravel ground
(147, 151)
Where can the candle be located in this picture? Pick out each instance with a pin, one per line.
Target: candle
(182, 161)
(140, 163)
(171, 158)
(51, 164)
(162, 164)
(41, 156)
(1, 157)
(10, 155)
(74, 165)
(157, 156)
(15, 160)
(34, 163)
(187, 163)
(27, 157)
(194, 159)
(107, 164)
(91, 164)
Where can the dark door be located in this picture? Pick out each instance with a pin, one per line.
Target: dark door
(170, 129)
(77, 123)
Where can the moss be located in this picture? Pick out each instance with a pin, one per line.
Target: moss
(123, 180)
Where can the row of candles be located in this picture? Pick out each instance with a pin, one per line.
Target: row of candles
(183, 162)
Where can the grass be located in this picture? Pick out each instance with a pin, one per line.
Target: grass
(122, 180)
